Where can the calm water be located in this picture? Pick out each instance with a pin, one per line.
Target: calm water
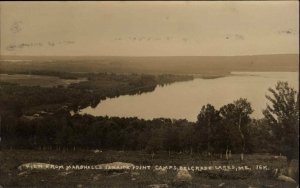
(183, 100)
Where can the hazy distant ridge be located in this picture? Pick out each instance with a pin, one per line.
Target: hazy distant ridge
(162, 64)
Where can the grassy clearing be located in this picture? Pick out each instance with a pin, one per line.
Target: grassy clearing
(11, 176)
(36, 80)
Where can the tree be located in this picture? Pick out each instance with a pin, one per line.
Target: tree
(261, 140)
(236, 117)
(207, 119)
(283, 114)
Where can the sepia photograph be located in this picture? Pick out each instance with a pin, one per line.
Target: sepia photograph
(154, 94)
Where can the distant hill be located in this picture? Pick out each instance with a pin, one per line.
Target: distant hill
(162, 64)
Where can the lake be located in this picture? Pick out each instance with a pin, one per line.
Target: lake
(183, 100)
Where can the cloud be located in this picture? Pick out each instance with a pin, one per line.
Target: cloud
(235, 37)
(16, 27)
(118, 38)
(185, 39)
(13, 47)
(287, 32)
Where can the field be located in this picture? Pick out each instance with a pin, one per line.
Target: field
(35, 80)
(10, 176)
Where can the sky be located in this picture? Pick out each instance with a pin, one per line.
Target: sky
(216, 28)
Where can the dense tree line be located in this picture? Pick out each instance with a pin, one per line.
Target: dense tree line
(63, 131)
(215, 132)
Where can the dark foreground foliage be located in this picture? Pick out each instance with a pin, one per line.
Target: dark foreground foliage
(62, 131)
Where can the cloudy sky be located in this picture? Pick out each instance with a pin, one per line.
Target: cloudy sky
(149, 28)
